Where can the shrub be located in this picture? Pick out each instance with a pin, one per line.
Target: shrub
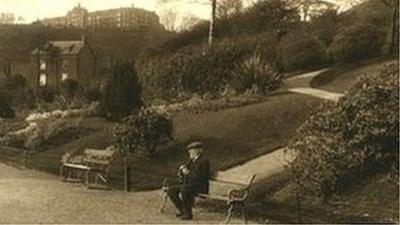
(192, 70)
(300, 50)
(356, 42)
(143, 132)
(16, 92)
(15, 82)
(48, 132)
(46, 94)
(357, 135)
(211, 69)
(122, 93)
(92, 92)
(69, 88)
(160, 75)
(254, 73)
(5, 109)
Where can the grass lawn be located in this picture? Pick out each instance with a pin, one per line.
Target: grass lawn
(341, 78)
(230, 136)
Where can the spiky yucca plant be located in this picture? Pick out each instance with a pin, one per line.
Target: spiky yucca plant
(256, 75)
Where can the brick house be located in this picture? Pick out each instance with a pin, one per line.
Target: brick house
(57, 61)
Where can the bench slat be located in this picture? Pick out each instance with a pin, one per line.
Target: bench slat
(229, 182)
(77, 166)
(216, 197)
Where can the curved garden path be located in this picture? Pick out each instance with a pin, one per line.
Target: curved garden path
(274, 163)
(302, 84)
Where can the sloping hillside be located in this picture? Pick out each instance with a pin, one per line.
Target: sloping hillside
(17, 41)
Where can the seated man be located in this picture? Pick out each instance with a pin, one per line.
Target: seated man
(194, 177)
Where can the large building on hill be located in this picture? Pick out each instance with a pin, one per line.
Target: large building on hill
(57, 61)
(126, 17)
(77, 17)
(122, 18)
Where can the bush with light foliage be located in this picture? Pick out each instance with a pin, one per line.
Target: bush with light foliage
(143, 132)
(356, 136)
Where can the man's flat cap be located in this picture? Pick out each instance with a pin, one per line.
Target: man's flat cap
(196, 144)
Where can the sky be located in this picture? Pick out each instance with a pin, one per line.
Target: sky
(31, 10)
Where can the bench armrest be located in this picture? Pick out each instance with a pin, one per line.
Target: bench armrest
(238, 195)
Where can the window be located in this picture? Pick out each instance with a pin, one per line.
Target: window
(64, 76)
(42, 65)
(42, 80)
(65, 64)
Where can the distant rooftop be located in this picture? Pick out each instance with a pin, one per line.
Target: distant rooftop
(63, 47)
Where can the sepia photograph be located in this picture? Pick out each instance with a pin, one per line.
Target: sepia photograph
(199, 112)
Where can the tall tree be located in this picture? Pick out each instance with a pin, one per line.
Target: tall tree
(394, 5)
(122, 93)
(213, 17)
(212, 22)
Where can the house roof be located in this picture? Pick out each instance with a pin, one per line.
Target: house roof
(63, 47)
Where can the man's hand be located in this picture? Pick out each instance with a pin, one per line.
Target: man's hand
(184, 170)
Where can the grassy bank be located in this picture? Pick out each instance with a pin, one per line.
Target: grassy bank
(231, 137)
(340, 78)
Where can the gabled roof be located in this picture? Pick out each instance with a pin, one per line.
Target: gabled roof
(62, 47)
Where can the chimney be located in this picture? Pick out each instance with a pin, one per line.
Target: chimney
(84, 39)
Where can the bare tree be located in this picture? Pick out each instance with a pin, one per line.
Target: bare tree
(7, 18)
(213, 4)
(188, 21)
(168, 19)
(227, 8)
(308, 8)
(21, 19)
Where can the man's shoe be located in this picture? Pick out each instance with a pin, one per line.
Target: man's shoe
(186, 217)
(179, 214)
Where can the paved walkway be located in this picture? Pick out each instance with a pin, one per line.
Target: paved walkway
(317, 93)
(28, 196)
(264, 166)
(274, 163)
(301, 84)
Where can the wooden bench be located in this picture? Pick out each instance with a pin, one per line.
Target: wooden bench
(91, 167)
(99, 161)
(231, 190)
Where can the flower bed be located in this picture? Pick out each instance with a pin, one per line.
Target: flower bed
(198, 105)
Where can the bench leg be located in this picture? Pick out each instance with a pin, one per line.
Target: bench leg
(62, 172)
(87, 178)
(164, 201)
(244, 212)
(230, 212)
